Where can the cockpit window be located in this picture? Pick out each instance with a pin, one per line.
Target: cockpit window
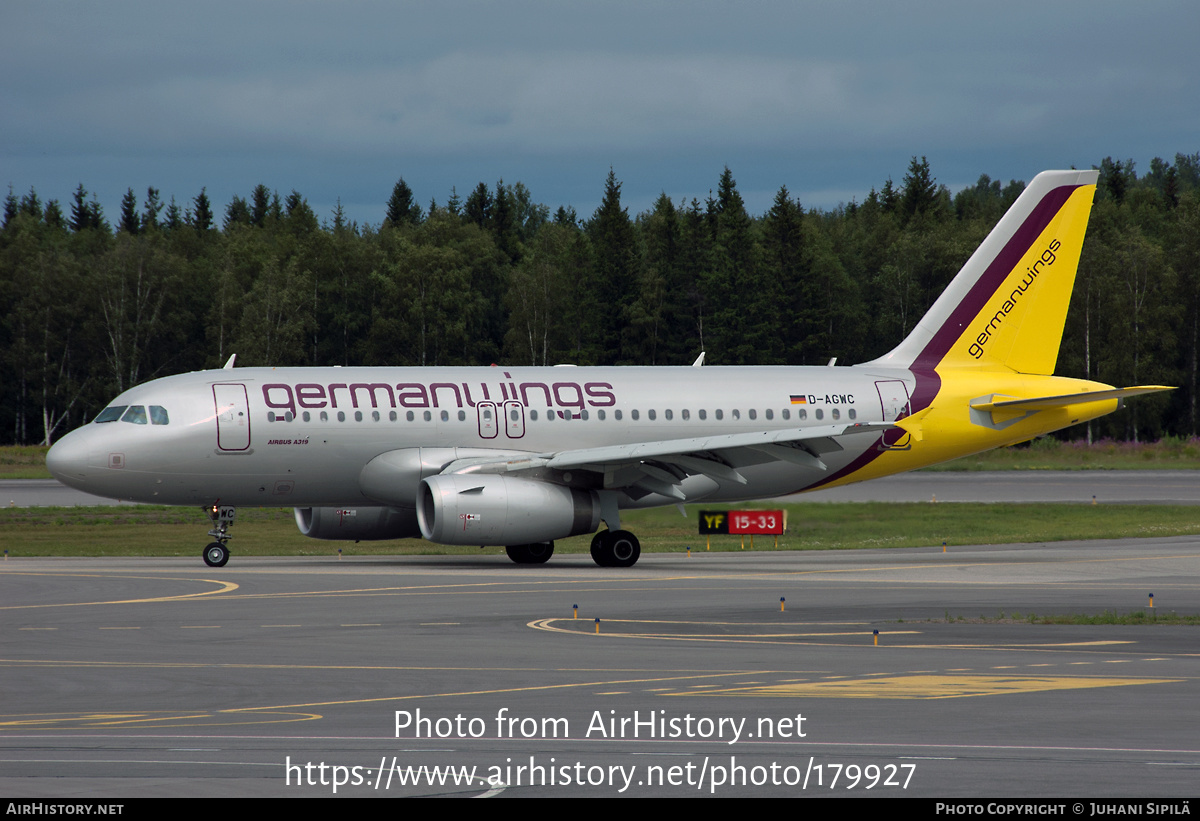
(111, 414)
(158, 415)
(136, 414)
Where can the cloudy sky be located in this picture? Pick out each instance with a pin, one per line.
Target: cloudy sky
(340, 99)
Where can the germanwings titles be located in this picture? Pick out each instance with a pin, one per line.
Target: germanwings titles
(520, 457)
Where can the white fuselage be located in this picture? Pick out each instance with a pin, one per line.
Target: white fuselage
(302, 436)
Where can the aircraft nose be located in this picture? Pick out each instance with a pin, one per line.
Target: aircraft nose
(68, 459)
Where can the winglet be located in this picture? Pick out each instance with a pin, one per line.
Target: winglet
(1006, 308)
(229, 365)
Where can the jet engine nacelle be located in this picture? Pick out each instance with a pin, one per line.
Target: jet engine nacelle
(394, 478)
(357, 523)
(487, 509)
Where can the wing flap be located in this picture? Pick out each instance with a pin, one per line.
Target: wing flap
(818, 440)
(661, 467)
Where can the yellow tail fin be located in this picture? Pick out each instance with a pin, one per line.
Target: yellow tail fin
(1007, 306)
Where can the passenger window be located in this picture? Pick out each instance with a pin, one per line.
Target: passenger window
(375, 415)
(428, 416)
(158, 415)
(445, 416)
(633, 415)
(391, 416)
(358, 416)
(836, 413)
(852, 414)
(802, 414)
(617, 415)
(136, 414)
(307, 416)
(533, 415)
(787, 414)
(653, 415)
(770, 414)
(409, 416)
(600, 415)
(820, 414)
(341, 416)
(753, 413)
(324, 416)
(686, 414)
(462, 416)
(111, 414)
(737, 414)
(720, 414)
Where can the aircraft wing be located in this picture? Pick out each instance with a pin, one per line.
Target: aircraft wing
(660, 466)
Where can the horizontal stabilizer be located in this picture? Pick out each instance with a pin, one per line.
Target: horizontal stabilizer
(1000, 403)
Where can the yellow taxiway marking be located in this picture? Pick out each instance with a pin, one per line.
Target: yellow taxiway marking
(579, 627)
(133, 719)
(222, 587)
(691, 676)
(930, 687)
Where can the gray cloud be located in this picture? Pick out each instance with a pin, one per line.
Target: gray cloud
(819, 96)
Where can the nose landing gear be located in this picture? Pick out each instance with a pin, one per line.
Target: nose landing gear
(217, 554)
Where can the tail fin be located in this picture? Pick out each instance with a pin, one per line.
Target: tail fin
(1006, 308)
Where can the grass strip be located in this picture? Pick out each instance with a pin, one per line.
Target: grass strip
(1137, 617)
(140, 530)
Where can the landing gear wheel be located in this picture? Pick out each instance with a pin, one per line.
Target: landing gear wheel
(624, 549)
(600, 549)
(540, 552)
(615, 548)
(222, 516)
(536, 553)
(216, 555)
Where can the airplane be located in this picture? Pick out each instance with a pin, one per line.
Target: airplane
(521, 456)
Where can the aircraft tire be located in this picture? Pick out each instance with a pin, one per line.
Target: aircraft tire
(216, 555)
(624, 549)
(536, 553)
(540, 552)
(601, 555)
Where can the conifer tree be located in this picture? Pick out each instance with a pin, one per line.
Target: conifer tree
(130, 224)
(402, 208)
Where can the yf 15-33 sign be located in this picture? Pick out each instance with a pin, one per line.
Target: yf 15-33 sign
(742, 522)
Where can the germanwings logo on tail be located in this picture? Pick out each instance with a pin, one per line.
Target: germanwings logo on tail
(1006, 308)
(1010, 304)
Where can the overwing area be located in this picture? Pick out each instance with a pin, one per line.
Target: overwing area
(662, 466)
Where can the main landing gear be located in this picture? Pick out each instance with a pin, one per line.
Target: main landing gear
(615, 548)
(536, 553)
(217, 554)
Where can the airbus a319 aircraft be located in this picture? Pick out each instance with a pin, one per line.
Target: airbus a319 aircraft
(520, 457)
